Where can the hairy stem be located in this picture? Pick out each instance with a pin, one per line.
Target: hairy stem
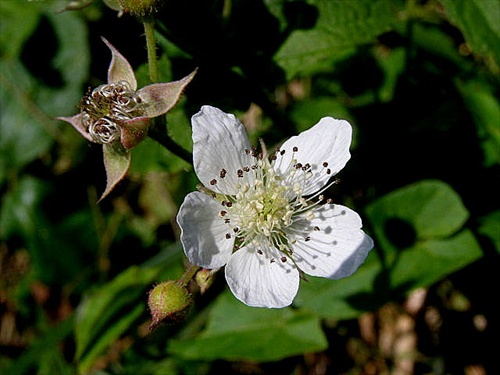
(149, 31)
(188, 275)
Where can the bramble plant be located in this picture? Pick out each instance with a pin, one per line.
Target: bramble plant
(249, 186)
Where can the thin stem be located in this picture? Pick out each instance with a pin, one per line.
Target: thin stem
(162, 138)
(188, 275)
(149, 31)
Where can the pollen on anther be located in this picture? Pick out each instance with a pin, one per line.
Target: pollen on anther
(213, 182)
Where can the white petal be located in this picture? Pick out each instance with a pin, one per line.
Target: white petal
(262, 280)
(203, 232)
(326, 142)
(338, 248)
(219, 144)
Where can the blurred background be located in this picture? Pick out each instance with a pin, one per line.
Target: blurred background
(419, 82)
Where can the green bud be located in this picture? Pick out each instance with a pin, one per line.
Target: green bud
(204, 278)
(168, 302)
(139, 8)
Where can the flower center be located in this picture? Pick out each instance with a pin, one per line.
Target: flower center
(106, 106)
(263, 209)
(269, 207)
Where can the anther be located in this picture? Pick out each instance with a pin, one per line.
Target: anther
(298, 165)
(259, 252)
(228, 236)
(316, 229)
(229, 204)
(236, 229)
(295, 149)
(283, 259)
(223, 213)
(246, 169)
(282, 152)
(213, 182)
(273, 260)
(307, 239)
(222, 173)
(329, 201)
(240, 173)
(325, 164)
(247, 151)
(328, 171)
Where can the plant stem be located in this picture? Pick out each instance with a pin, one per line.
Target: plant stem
(188, 275)
(149, 31)
(162, 138)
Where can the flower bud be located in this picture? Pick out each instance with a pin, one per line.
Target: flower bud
(204, 278)
(168, 301)
(139, 8)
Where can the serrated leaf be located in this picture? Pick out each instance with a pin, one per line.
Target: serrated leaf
(238, 332)
(341, 26)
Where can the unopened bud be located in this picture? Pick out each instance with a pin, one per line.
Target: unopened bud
(139, 8)
(168, 302)
(204, 278)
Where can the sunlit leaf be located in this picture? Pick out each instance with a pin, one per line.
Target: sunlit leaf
(341, 26)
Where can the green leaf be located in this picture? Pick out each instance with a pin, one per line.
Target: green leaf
(306, 113)
(431, 207)
(28, 105)
(440, 257)
(108, 313)
(430, 215)
(485, 109)
(479, 21)
(490, 227)
(238, 332)
(338, 299)
(341, 26)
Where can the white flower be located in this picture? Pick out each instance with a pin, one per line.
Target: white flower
(264, 218)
